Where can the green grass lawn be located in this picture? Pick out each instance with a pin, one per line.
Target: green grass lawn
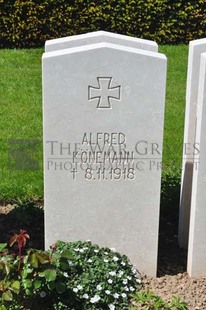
(21, 116)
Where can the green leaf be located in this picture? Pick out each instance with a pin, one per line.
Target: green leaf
(64, 265)
(51, 286)
(67, 254)
(60, 287)
(42, 258)
(27, 283)
(2, 307)
(3, 246)
(7, 296)
(50, 275)
(37, 284)
(34, 261)
(15, 286)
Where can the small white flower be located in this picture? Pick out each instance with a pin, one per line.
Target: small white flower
(86, 296)
(126, 289)
(79, 287)
(99, 288)
(106, 260)
(96, 251)
(138, 281)
(129, 278)
(112, 273)
(125, 281)
(89, 260)
(107, 292)
(42, 294)
(123, 263)
(110, 281)
(111, 307)
(76, 250)
(65, 274)
(116, 295)
(132, 289)
(113, 250)
(70, 262)
(75, 289)
(124, 295)
(115, 258)
(120, 273)
(94, 299)
(134, 270)
(85, 248)
(81, 250)
(106, 253)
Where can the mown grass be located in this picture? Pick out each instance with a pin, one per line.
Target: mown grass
(21, 115)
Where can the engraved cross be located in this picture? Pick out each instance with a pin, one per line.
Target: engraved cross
(104, 92)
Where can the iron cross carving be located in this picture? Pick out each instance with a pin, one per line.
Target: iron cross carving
(104, 92)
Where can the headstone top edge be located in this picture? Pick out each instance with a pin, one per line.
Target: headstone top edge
(100, 33)
(197, 42)
(94, 46)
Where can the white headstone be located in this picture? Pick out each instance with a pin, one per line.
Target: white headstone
(196, 47)
(103, 132)
(98, 37)
(197, 235)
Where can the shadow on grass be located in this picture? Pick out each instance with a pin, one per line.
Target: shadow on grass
(171, 259)
(28, 216)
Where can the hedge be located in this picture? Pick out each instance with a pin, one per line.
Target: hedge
(29, 23)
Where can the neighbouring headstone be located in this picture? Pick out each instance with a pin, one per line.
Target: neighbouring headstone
(196, 47)
(197, 236)
(103, 132)
(98, 37)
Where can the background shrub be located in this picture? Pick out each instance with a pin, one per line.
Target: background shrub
(28, 23)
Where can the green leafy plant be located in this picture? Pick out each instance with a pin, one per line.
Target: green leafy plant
(76, 275)
(148, 300)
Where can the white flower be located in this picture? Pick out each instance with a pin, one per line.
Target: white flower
(112, 273)
(42, 294)
(138, 281)
(89, 260)
(81, 250)
(134, 270)
(70, 262)
(124, 295)
(79, 287)
(99, 288)
(85, 248)
(126, 289)
(106, 260)
(86, 296)
(115, 258)
(94, 299)
(129, 278)
(107, 292)
(65, 274)
(106, 253)
(113, 250)
(76, 250)
(75, 289)
(116, 295)
(123, 263)
(110, 281)
(132, 289)
(125, 281)
(111, 307)
(96, 251)
(120, 273)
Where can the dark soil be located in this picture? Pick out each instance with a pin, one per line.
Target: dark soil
(172, 278)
